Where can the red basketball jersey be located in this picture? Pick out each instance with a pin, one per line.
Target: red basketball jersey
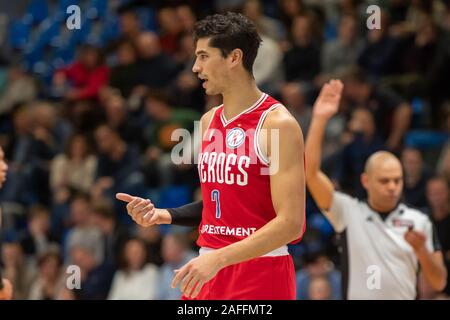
(234, 176)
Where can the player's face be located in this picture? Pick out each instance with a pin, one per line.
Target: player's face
(3, 167)
(210, 67)
(384, 185)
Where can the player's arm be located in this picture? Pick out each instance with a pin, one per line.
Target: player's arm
(144, 213)
(288, 196)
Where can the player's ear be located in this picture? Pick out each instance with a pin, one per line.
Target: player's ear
(236, 57)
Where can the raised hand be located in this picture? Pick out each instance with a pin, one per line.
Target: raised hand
(327, 103)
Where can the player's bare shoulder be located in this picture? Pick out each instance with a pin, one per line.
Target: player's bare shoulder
(280, 118)
(286, 128)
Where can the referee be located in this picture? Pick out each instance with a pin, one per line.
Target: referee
(384, 242)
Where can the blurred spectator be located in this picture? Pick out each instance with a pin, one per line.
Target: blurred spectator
(362, 141)
(319, 289)
(153, 241)
(175, 253)
(289, 10)
(118, 163)
(83, 229)
(318, 265)
(74, 169)
(19, 88)
(293, 96)
(164, 120)
(136, 279)
(38, 237)
(268, 66)
(95, 277)
(49, 128)
(268, 26)
(343, 51)
(130, 26)
(83, 78)
(156, 69)
(123, 75)
(443, 166)
(380, 51)
(438, 197)
(16, 269)
(118, 118)
(302, 60)
(187, 18)
(391, 113)
(50, 279)
(415, 177)
(170, 29)
(114, 234)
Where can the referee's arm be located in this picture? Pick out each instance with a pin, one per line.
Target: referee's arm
(319, 185)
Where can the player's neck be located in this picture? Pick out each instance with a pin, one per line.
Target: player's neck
(240, 96)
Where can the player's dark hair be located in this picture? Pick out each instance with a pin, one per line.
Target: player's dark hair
(230, 31)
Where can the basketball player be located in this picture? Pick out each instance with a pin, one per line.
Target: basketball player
(6, 290)
(384, 241)
(248, 215)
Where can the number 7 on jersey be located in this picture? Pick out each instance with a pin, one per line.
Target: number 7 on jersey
(215, 197)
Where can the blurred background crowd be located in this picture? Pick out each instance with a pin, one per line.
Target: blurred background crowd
(85, 113)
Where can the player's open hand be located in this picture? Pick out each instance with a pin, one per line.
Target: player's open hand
(327, 103)
(416, 240)
(142, 211)
(193, 275)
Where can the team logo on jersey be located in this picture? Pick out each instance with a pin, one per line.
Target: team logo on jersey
(235, 137)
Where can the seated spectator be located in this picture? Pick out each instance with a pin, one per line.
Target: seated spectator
(118, 163)
(176, 253)
(416, 175)
(391, 113)
(170, 29)
(443, 166)
(96, 277)
(50, 277)
(153, 241)
(318, 265)
(83, 78)
(19, 88)
(74, 169)
(319, 289)
(343, 51)
(156, 69)
(114, 233)
(438, 197)
(294, 97)
(362, 141)
(38, 237)
(164, 120)
(380, 51)
(82, 227)
(267, 68)
(118, 118)
(16, 269)
(273, 28)
(302, 60)
(136, 279)
(123, 75)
